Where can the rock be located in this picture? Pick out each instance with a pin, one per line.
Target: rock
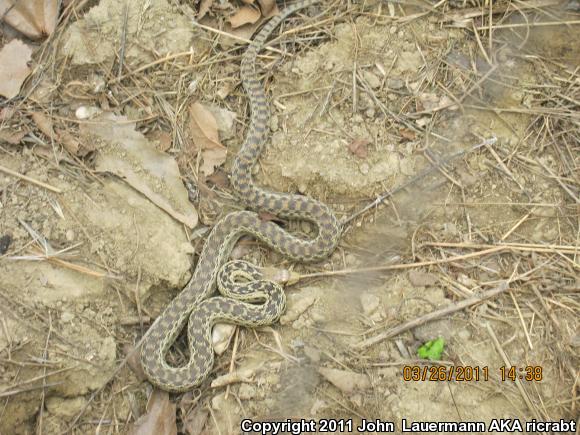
(373, 81)
(221, 336)
(370, 303)
(70, 235)
(86, 112)
(297, 305)
(421, 279)
(224, 120)
(345, 381)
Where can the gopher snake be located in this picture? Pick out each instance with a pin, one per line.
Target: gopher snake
(194, 302)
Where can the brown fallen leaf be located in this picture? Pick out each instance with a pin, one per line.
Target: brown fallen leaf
(71, 144)
(269, 8)
(11, 137)
(358, 147)
(204, 132)
(14, 58)
(44, 124)
(61, 136)
(203, 127)
(195, 421)
(244, 32)
(6, 113)
(161, 139)
(219, 179)
(245, 15)
(407, 134)
(159, 418)
(212, 159)
(134, 361)
(204, 8)
(34, 18)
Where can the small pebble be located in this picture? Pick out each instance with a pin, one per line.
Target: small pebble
(70, 235)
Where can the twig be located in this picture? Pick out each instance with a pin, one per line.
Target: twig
(237, 38)
(30, 180)
(432, 316)
(406, 265)
(31, 388)
(541, 24)
(507, 362)
(123, 39)
(555, 177)
(524, 247)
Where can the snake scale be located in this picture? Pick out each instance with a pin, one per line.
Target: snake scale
(237, 304)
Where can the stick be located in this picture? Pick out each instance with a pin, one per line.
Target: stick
(406, 265)
(432, 316)
(30, 180)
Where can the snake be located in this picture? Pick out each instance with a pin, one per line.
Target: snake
(246, 298)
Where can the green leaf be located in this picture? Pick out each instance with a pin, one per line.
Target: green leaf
(432, 349)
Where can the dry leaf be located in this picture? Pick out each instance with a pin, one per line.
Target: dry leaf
(127, 153)
(161, 139)
(73, 146)
(203, 127)
(6, 113)
(244, 32)
(159, 419)
(134, 360)
(63, 137)
(212, 159)
(44, 124)
(245, 15)
(34, 18)
(204, 8)
(14, 69)
(194, 422)
(269, 8)
(219, 179)
(407, 134)
(358, 147)
(12, 137)
(204, 132)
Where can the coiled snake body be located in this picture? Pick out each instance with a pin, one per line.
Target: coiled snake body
(235, 305)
